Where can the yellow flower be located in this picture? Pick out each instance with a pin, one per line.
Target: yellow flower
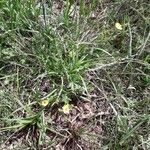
(44, 102)
(118, 26)
(66, 108)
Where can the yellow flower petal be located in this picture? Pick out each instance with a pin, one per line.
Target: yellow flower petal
(66, 108)
(44, 102)
(118, 26)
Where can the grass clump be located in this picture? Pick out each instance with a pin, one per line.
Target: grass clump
(71, 67)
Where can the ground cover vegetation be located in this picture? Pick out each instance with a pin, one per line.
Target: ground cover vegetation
(74, 75)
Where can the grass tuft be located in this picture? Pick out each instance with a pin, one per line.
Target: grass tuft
(71, 71)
